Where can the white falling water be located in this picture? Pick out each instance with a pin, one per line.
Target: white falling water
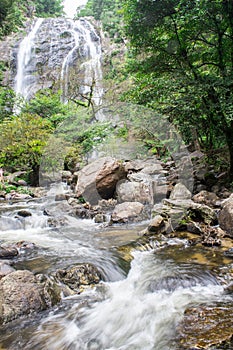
(86, 37)
(92, 67)
(65, 50)
(67, 62)
(24, 79)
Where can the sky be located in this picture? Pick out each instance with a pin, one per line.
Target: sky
(70, 6)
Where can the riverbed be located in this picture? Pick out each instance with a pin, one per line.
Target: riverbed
(146, 287)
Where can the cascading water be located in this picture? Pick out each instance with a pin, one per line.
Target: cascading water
(64, 53)
(135, 311)
(25, 80)
(137, 307)
(88, 43)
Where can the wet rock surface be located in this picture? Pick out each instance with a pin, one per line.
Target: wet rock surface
(207, 327)
(8, 252)
(20, 295)
(78, 277)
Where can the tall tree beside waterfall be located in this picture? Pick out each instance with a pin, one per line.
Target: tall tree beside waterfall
(183, 65)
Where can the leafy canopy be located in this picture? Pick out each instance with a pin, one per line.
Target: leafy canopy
(14, 12)
(182, 63)
(22, 139)
(109, 12)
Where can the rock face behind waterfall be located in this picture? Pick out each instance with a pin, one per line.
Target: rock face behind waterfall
(58, 53)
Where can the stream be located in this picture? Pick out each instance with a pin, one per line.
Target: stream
(141, 300)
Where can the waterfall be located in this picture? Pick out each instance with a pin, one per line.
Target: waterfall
(61, 53)
(24, 78)
(88, 42)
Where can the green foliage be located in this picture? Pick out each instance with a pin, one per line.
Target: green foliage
(93, 135)
(182, 64)
(22, 140)
(7, 188)
(7, 96)
(81, 130)
(73, 156)
(109, 12)
(6, 102)
(14, 12)
(47, 104)
(11, 17)
(49, 8)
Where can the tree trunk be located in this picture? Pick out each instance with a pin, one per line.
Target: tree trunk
(229, 140)
(34, 176)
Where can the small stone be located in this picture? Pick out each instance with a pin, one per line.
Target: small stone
(24, 213)
(22, 183)
(157, 224)
(100, 218)
(60, 197)
(7, 253)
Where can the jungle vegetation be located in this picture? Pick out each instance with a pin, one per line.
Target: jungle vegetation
(179, 63)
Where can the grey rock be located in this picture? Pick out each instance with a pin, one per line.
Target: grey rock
(127, 211)
(180, 192)
(98, 179)
(127, 191)
(226, 216)
(21, 294)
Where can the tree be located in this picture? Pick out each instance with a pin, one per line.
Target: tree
(110, 14)
(184, 65)
(13, 13)
(47, 104)
(22, 140)
(49, 8)
(7, 96)
(5, 6)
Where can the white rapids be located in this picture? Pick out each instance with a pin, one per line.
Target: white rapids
(130, 315)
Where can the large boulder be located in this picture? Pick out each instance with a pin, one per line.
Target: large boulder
(22, 293)
(207, 198)
(127, 191)
(148, 166)
(226, 216)
(195, 211)
(128, 211)
(179, 214)
(180, 192)
(5, 268)
(98, 180)
(151, 176)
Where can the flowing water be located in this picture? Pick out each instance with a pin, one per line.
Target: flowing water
(25, 79)
(139, 303)
(90, 77)
(136, 307)
(64, 52)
